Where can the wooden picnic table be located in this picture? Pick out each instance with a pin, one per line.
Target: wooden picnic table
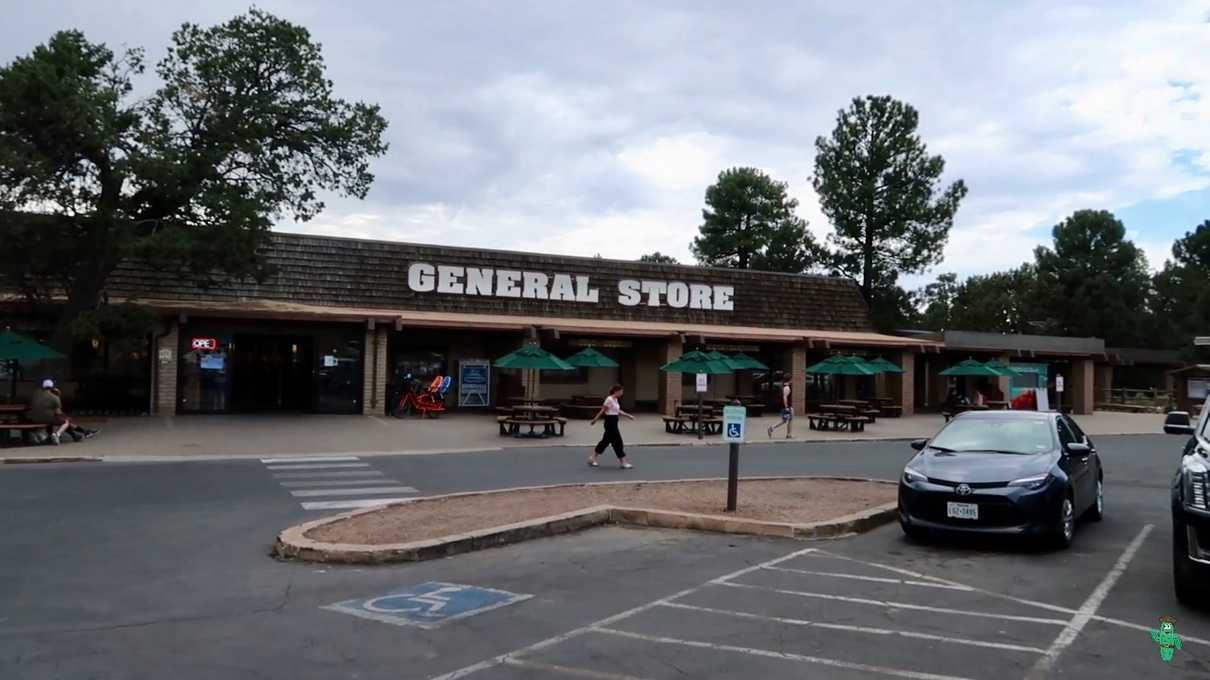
(535, 409)
(551, 426)
(692, 410)
(836, 422)
(890, 410)
(680, 424)
(838, 408)
(853, 402)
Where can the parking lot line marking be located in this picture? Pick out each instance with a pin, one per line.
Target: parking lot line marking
(1009, 598)
(362, 491)
(858, 629)
(874, 579)
(897, 605)
(621, 616)
(346, 505)
(309, 459)
(568, 670)
(336, 482)
(316, 466)
(318, 475)
(768, 653)
(1087, 610)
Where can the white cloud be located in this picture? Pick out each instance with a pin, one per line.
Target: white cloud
(597, 128)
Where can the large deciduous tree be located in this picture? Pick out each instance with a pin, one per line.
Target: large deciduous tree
(1094, 282)
(749, 223)
(882, 192)
(243, 129)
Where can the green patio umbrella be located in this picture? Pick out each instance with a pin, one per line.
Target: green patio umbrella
(1004, 370)
(844, 365)
(886, 366)
(15, 348)
(747, 363)
(533, 358)
(590, 358)
(698, 362)
(970, 367)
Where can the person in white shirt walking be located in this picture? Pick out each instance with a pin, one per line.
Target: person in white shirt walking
(611, 410)
(787, 410)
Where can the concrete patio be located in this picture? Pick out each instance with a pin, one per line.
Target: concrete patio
(198, 437)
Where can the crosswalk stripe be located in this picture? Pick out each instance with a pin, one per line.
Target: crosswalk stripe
(310, 459)
(319, 475)
(350, 504)
(364, 491)
(319, 466)
(336, 482)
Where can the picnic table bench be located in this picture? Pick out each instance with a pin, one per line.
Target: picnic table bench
(551, 427)
(836, 422)
(25, 430)
(891, 410)
(688, 425)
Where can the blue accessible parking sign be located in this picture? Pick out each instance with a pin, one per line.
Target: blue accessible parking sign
(428, 604)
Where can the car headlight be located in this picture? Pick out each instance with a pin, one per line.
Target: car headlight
(910, 476)
(1034, 482)
(1195, 484)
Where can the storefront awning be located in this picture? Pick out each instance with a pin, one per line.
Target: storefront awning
(273, 309)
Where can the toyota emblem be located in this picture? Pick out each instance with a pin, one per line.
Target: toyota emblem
(963, 490)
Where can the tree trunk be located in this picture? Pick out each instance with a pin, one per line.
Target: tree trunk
(868, 265)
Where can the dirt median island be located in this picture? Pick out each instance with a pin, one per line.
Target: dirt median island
(790, 501)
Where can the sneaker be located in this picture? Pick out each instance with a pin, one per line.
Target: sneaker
(627, 466)
(770, 431)
(54, 438)
(89, 434)
(592, 463)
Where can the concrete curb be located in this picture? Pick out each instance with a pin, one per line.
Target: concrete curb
(293, 543)
(50, 459)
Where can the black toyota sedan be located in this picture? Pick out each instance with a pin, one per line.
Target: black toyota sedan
(1003, 472)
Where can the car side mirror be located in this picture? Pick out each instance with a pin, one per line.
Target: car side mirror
(919, 444)
(1077, 449)
(1177, 422)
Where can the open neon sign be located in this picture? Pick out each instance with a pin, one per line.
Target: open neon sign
(204, 343)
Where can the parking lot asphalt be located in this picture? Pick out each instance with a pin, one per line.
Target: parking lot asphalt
(150, 571)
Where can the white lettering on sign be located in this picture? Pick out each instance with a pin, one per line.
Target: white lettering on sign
(204, 343)
(482, 281)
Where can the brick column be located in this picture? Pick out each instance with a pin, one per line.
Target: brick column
(796, 365)
(670, 383)
(374, 373)
(906, 382)
(163, 401)
(1082, 385)
(1102, 383)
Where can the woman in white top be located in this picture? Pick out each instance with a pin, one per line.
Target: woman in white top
(611, 410)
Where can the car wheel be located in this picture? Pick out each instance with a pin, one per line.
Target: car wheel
(913, 532)
(1186, 587)
(1097, 512)
(1065, 531)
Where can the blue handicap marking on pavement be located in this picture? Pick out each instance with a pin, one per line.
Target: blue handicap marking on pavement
(428, 604)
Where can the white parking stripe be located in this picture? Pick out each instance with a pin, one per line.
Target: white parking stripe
(363, 491)
(568, 670)
(768, 653)
(1071, 631)
(563, 637)
(310, 459)
(346, 505)
(1009, 598)
(858, 629)
(336, 482)
(318, 466)
(874, 579)
(894, 605)
(316, 475)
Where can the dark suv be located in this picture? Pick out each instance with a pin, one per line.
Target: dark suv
(1191, 509)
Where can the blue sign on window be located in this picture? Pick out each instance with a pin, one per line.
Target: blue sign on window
(428, 605)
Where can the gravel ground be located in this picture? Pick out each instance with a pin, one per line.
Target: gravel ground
(794, 501)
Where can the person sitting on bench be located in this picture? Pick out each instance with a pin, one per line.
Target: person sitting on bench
(46, 408)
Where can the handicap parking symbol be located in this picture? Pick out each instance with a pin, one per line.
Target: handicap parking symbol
(734, 430)
(428, 604)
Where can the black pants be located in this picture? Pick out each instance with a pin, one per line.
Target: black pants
(612, 437)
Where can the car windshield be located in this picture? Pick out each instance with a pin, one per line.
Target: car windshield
(1015, 435)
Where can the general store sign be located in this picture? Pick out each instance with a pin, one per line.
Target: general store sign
(505, 283)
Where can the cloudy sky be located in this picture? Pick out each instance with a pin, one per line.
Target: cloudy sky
(582, 128)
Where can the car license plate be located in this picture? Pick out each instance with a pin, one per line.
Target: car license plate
(962, 510)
